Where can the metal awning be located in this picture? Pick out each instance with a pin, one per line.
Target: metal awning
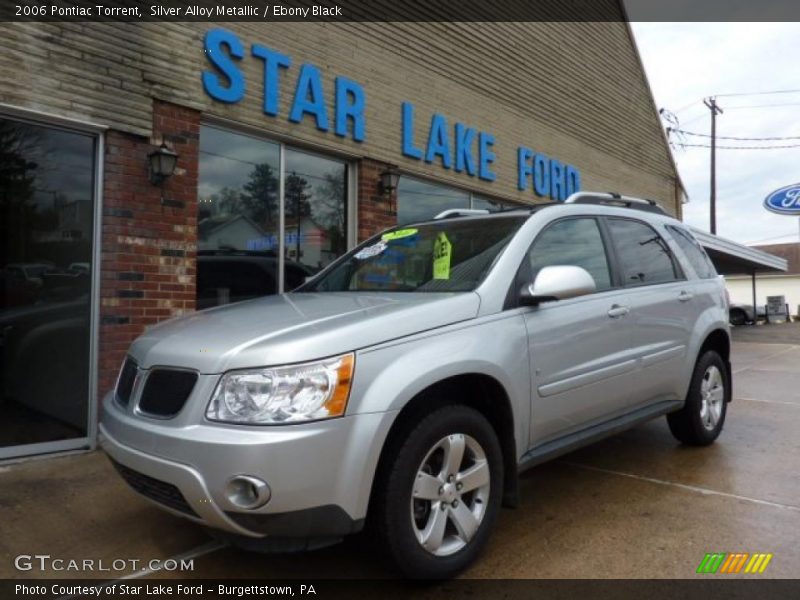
(732, 258)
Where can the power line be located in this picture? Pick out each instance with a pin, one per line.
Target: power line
(741, 147)
(742, 139)
(759, 93)
(683, 108)
(764, 105)
(703, 116)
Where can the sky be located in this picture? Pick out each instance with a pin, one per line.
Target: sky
(686, 62)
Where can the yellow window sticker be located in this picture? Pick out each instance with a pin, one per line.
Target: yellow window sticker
(397, 235)
(442, 249)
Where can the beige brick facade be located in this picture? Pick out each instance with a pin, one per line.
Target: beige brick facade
(574, 91)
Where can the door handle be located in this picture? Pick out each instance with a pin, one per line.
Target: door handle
(685, 296)
(617, 311)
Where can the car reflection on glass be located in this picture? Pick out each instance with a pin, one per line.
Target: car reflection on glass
(227, 276)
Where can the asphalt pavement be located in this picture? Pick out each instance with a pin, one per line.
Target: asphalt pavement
(637, 505)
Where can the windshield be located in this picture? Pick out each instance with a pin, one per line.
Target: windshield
(443, 256)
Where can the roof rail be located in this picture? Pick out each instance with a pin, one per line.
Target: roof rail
(614, 199)
(460, 212)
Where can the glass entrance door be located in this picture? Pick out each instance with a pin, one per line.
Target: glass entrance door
(47, 214)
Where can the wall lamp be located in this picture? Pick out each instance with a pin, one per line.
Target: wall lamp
(388, 184)
(162, 164)
(389, 180)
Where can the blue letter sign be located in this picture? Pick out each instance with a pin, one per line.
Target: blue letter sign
(214, 41)
(272, 62)
(451, 144)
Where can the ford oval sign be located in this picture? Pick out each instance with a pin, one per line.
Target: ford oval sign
(785, 201)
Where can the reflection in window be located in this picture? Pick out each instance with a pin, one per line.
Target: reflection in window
(419, 200)
(490, 205)
(46, 231)
(643, 254)
(239, 216)
(574, 242)
(315, 213)
(694, 252)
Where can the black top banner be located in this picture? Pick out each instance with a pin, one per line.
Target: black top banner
(166, 11)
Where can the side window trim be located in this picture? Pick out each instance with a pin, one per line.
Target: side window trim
(677, 268)
(614, 263)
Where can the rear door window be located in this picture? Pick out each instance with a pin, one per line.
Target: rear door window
(644, 256)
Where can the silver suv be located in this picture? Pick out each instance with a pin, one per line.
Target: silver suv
(406, 385)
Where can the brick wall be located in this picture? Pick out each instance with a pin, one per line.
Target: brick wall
(376, 211)
(149, 236)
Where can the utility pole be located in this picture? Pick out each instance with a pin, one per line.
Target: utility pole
(711, 103)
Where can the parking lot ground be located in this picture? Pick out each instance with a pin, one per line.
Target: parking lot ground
(771, 333)
(637, 505)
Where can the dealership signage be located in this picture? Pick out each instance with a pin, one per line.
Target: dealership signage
(784, 201)
(450, 144)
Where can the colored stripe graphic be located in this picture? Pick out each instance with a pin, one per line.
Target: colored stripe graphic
(734, 562)
(711, 562)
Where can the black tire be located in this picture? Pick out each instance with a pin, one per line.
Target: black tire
(692, 425)
(394, 514)
(737, 317)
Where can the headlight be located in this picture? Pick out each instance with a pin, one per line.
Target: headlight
(305, 392)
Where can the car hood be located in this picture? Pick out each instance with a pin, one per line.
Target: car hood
(295, 327)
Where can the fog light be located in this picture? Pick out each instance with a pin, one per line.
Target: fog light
(248, 492)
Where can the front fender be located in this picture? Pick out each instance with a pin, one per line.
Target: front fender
(387, 377)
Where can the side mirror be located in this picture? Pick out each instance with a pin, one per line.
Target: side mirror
(557, 283)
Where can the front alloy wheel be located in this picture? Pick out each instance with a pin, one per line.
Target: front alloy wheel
(438, 492)
(450, 495)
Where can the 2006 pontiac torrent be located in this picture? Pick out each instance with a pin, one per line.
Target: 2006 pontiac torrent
(407, 384)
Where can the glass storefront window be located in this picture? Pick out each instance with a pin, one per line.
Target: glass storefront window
(239, 208)
(47, 203)
(315, 191)
(419, 200)
(489, 204)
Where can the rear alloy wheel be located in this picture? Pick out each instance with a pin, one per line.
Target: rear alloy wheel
(701, 419)
(437, 501)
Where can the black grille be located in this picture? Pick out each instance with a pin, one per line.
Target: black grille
(165, 391)
(160, 491)
(126, 378)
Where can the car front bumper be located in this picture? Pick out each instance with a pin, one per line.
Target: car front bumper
(319, 474)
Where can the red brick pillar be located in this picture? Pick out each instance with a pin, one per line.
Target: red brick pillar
(149, 235)
(376, 211)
